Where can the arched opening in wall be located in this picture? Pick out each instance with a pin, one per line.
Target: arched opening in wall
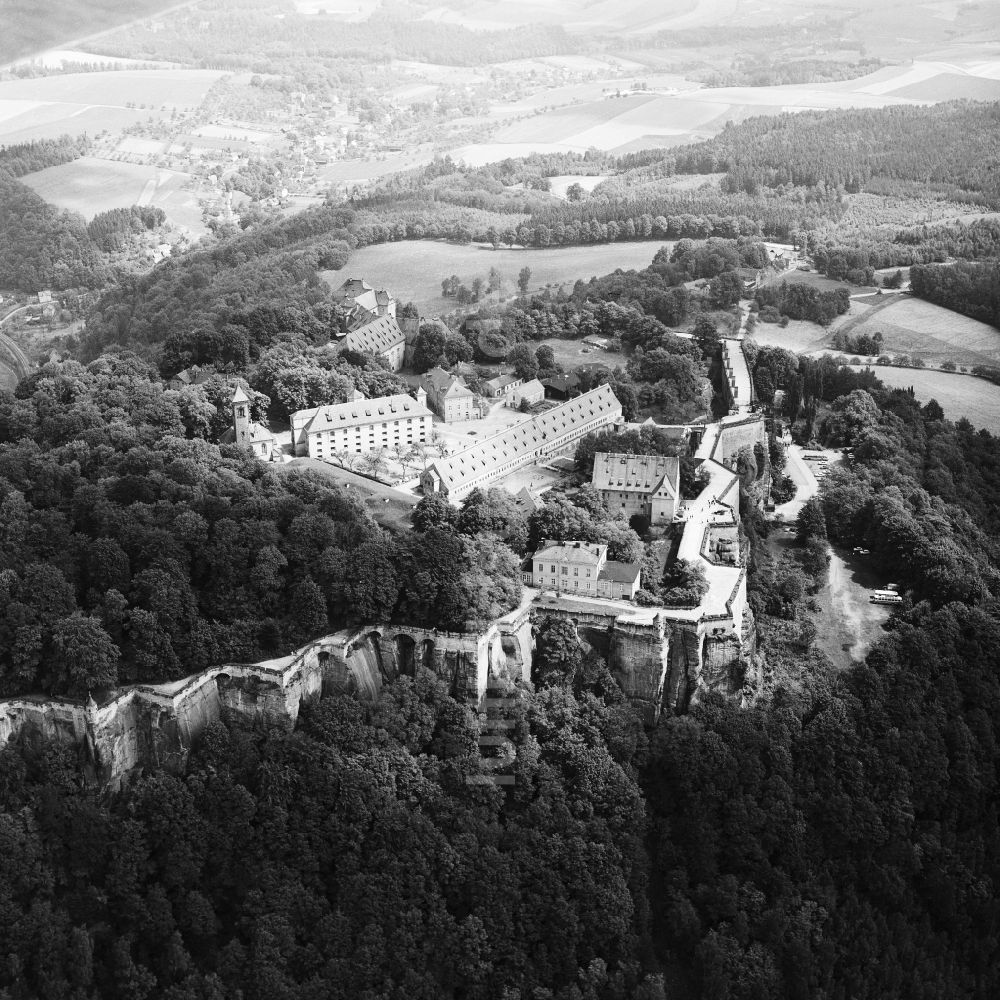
(405, 655)
(425, 654)
(596, 637)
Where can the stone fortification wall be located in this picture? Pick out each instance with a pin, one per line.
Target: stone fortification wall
(737, 434)
(155, 726)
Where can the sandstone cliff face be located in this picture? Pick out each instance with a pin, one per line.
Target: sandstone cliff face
(639, 657)
(155, 726)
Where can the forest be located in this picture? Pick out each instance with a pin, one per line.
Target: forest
(837, 838)
(967, 287)
(135, 550)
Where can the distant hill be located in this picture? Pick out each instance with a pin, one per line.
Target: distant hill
(32, 26)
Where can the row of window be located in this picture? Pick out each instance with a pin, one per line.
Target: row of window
(565, 570)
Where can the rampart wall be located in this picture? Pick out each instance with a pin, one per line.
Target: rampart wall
(155, 726)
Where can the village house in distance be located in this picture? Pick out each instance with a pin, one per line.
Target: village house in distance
(647, 485)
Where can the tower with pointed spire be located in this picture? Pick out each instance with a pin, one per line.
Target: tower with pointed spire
(241, 416)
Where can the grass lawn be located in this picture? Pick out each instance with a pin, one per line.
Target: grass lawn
(573, 353)
(933, 333)
(413, 271)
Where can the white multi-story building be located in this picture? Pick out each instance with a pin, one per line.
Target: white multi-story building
(363, 425)
(582, 568)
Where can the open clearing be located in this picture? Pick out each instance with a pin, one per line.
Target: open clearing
(959, 395)
(413, 271)
(573, 353)
(90, 185)
(933, 333)
(75, 103)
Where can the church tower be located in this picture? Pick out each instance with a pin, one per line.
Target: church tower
(241, 417)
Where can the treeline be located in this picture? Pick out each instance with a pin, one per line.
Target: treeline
(27, 157)
(237, 36)
(969, 288)
(800, 301)
(951, 148)
(134, 550)
(42, 246)
(901, 498)
(766, 71)
(856, 258)
(112, 229)
(261, 283)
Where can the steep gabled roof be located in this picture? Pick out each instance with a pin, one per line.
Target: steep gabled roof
(443, 383)
(375, 337)
(644, 474)
(525, 437)
(360, 412)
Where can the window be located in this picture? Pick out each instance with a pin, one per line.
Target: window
(565, 571)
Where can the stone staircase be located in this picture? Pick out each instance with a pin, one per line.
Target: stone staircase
(496, 746)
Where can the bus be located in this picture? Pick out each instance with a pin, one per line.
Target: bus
(885, 597)
(815, 456)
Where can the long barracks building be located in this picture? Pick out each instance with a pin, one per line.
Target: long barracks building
(545, 434)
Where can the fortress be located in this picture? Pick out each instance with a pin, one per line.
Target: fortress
(663, 658)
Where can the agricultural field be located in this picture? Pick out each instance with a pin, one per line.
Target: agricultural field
(959, 395)
(933, 333)
(90, 185)
(578, 116)
(797, 276)
(413, 271)
(75, 103)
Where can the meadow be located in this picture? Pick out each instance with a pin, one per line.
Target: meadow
(933, 333)
(959, 395)
(75, 103)
(580, 116)
(90, 185)
(573, 353)
(413, 271)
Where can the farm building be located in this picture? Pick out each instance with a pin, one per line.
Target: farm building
(561, 386)
(531, 392)
(545, 434)
(502, 385)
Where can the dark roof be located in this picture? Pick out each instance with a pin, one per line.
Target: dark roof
(562, 382)
(619, 572)
(375, 337)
